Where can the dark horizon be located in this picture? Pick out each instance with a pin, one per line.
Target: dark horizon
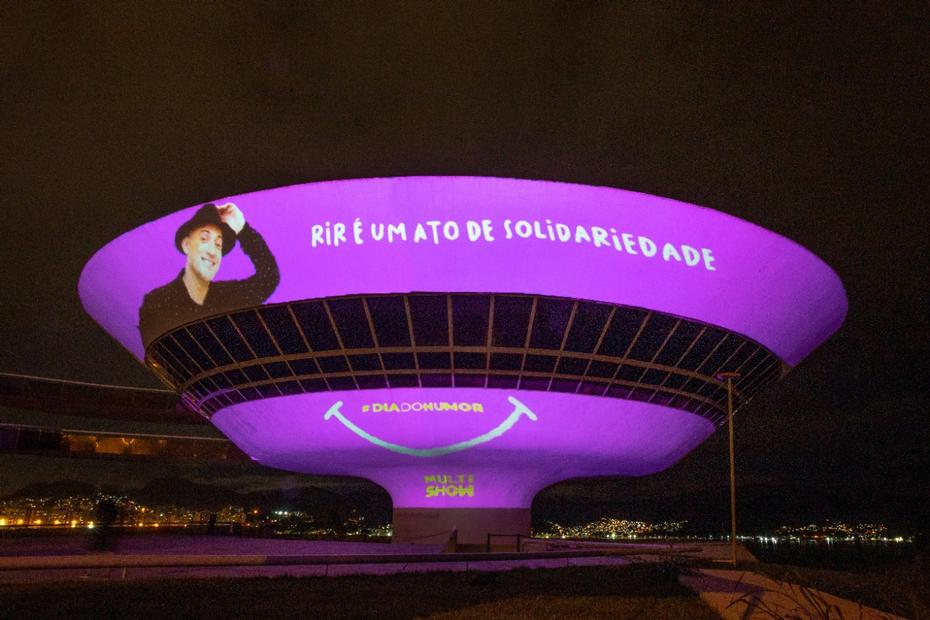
(764, 508)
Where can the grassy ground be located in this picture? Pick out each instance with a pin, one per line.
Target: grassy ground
(902, 589)
(590, 592)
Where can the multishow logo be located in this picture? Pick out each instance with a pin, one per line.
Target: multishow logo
(519, 411)
(449, 485)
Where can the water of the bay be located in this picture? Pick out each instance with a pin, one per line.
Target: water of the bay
(843, 555)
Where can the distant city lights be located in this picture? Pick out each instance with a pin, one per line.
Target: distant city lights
(79, 511)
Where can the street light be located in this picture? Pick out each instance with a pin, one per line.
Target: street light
(729, 377)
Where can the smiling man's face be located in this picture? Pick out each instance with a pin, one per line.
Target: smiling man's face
(204, 250)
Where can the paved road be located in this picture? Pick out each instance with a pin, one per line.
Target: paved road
(190, 546)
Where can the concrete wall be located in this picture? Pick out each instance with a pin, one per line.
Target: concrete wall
(472, 525)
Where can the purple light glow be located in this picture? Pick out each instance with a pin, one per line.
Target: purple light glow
(572, 436)
(744, 278)
(497, 448)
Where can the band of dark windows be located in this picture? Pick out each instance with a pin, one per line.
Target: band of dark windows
(459, 340)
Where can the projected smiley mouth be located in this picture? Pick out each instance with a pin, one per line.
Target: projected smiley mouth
(519, 410)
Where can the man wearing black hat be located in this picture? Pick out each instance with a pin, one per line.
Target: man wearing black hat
(204, 239)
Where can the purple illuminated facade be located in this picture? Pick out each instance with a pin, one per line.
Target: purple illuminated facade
(463, 342)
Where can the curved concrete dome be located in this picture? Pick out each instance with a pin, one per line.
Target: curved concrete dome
(758, 283)
(463, 342)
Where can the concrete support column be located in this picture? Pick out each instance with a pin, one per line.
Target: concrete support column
(434, 525)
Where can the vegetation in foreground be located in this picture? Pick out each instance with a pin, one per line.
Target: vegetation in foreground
(636, 591)
(902, 589)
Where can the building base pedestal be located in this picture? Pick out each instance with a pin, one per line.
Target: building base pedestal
(433, 526)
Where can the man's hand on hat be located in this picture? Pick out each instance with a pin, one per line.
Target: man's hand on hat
(231, 216)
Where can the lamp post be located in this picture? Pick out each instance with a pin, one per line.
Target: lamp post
(729, 377)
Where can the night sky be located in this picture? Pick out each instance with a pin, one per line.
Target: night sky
(808, 120)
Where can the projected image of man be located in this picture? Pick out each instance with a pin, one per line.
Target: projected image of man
(204, 240)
